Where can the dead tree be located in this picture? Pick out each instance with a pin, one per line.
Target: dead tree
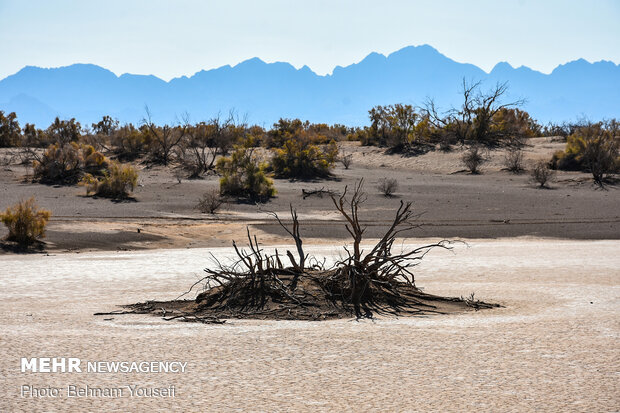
(293, 232)
(199, 150)
(474, 120)
(165, 139)
(353, 225)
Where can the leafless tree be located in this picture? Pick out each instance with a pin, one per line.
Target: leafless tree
(165, 139)
(199, 151)
(293, 232)
(474, 119)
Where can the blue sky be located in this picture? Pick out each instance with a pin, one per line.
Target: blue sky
(174, 38)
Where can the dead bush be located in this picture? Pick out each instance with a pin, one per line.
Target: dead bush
(513, 160)
(210, 202)
(26, 222)
(473, 159)
(542, 174)
(346, 160)
(387, 186)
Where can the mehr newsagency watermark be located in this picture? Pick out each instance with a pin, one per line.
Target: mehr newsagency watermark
(76, 365)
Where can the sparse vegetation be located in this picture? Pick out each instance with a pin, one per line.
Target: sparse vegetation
(388, 186)
(542, 174)
(304, 150)
(26, 222)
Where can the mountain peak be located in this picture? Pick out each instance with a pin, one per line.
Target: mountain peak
(502, 67)
(268, 91)
(421, 51)
(253, 62)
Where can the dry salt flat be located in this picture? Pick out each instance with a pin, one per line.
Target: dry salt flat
(553, 347)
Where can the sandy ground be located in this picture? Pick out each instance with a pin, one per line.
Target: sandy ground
(554, 347)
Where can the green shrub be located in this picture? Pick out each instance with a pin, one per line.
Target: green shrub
(243, 176)
(25, 222)
(301, 159)
(591, 148)
(10, 133)
(63, 131)
(117, 182)
(128, 143)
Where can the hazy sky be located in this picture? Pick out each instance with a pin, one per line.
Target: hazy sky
(174, 38)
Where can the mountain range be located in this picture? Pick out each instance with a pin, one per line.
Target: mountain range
(264, 92)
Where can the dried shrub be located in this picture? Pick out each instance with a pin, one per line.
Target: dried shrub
(387, 186)
(26, 222)
(513, 160)
(210, 202)
(542, 174)
(117, 182)
(473, 159)
(346, 160)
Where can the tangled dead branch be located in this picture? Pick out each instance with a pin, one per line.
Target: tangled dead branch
(305, 193)
(260, 285)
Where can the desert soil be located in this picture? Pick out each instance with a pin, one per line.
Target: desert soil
(553, 347)
(451, 202)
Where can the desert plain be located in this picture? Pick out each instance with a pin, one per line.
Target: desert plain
(548, 256)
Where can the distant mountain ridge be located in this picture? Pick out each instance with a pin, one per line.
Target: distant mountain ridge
(264, 92)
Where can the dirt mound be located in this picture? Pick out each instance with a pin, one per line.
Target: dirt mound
(312, 295)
